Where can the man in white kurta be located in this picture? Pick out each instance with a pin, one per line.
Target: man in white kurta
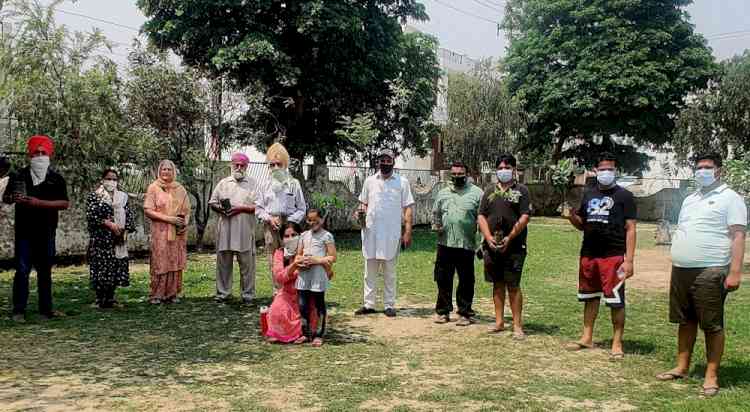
(386, 199)
(234, 201)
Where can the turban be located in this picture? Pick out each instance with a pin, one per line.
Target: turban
(278, 153)
(240, 158)
(40, 142)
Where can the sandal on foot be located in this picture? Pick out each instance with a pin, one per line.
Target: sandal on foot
(576, 346)
(317, 342)
(710, 392)
(670, 376)
(495, 329)
(300, 340)
(519, 336)
(616, 356)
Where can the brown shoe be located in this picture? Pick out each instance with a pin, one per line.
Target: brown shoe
(441, 319)
(19, 318)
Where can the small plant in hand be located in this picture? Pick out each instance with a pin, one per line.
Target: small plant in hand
(562, 177)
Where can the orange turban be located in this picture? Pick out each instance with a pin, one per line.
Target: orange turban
(42, 142)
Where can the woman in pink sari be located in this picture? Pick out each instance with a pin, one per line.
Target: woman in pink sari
(284, 320)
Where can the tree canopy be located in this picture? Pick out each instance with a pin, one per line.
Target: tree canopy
(588, 71)
(314, 61)
(717, 118)
(483, 119)
(54, 82)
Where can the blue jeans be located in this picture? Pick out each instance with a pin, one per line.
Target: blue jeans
(37, 253)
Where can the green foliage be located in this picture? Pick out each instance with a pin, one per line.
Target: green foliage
(53, 82)
(174, 105)
(717, 118)
(483, 119)
(587, 71)
(562, 173)
(326, 203)
(313, 62)
(562, 176)
(737, 175)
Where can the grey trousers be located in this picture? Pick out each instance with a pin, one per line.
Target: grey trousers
(224, 263)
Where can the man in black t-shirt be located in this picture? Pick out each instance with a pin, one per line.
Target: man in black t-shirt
(38, 193)
(503, 216)
(607, 217)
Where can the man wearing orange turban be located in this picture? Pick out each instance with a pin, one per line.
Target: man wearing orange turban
(39, 193)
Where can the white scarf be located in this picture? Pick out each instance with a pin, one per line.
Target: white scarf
(120, 217)
(38, 167)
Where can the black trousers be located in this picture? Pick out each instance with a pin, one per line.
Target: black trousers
(105, 296)
(39, 254)
(308, 299)
(448, 261)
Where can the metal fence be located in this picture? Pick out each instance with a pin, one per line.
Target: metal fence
(353, 177)
(135, 180)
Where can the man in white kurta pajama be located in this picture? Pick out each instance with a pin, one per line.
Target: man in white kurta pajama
(386, 199)
(235, 232)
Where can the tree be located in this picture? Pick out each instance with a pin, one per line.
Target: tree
(588, 71)
(717, 118)
(174, 105)
(314, 62)
(483, 119)
(53, 82)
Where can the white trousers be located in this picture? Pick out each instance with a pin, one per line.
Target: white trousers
(372, 271)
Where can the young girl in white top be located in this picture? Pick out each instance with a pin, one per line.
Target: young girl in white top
(318, 252)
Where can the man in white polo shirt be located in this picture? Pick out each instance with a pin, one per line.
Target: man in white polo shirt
(707, 253)
(385, 200)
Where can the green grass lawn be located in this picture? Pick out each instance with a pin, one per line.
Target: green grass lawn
(197, 355)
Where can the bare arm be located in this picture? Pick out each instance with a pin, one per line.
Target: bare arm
(737, 234)
(630, 236)
(519, 227)
(575, 220)
(484, 228)
(330, 257)
(408, 212)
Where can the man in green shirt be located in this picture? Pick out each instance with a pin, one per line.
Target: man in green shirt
(455, 220)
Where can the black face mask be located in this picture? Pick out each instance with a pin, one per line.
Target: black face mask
(386, 169)
(458, 181)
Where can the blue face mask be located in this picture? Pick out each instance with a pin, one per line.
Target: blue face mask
(505, 175)
(605, 177)
(705, 177)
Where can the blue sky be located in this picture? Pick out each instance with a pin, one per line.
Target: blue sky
(464, 26)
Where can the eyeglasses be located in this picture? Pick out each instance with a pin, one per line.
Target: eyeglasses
(275, 164)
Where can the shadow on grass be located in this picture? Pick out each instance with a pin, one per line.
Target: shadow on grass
(733, 373)
(141, 344)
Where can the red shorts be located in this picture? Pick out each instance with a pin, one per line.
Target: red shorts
(598, 276)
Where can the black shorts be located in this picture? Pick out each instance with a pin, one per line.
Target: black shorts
(698, 295)
(505, 268)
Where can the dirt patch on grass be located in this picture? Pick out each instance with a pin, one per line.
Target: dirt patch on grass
(652, 269)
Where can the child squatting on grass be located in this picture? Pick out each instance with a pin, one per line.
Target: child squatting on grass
(316, 254)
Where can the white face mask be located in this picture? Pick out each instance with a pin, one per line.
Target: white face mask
(605, 177)
(280, 175)
(238, 174)
(110, 185)
(39, 166)
(504, 175)
(290, 246)
(705, 177)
